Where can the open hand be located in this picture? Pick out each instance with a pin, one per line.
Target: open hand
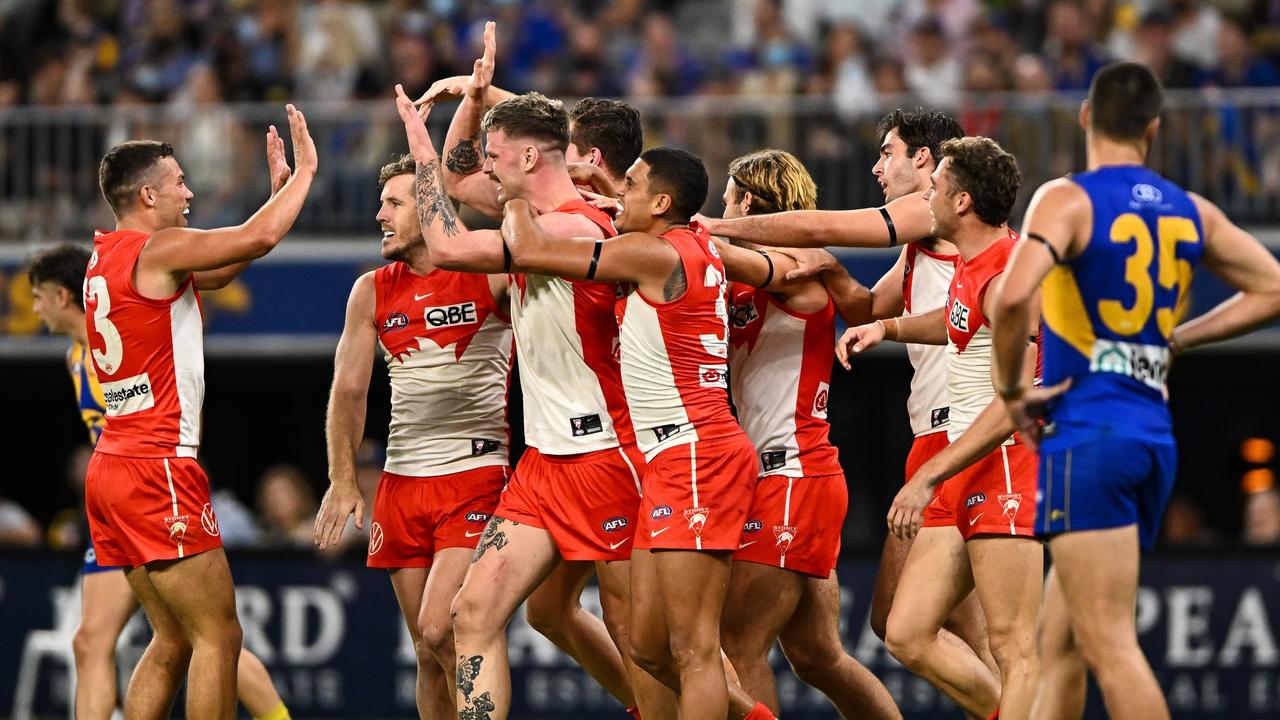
(304, 148)
(857, 339)
(415, 127)
(277, 163)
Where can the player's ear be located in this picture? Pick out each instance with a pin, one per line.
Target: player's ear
(596, 157)
(529, 158)
(963, 202)
(923, 157)
(1085, 113)
(661, 204)
(745, 202)
(65, 297)
(1153, 127)
(147, 195)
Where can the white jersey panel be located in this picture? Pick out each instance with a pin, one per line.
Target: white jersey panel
(927, 405)
(765, 376)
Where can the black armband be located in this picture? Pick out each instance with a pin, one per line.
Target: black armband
(1057, 259)
(595, 260)
(767, 278)
(888, 222)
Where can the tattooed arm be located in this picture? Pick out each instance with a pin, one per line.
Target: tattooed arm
(463, 155)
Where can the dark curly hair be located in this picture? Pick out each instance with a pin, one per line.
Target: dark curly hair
(920, 128)
(980, 167)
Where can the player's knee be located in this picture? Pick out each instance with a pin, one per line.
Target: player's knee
(472, 616)
(435, 644)
(93, 645)
(652, 657)
(547, 617)
(1011, 644)
(879, 618)
(810, 661)
(905, 640)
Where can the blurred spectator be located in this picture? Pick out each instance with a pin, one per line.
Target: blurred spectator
(1153, 46)
(1262, 517)
(844, 72)
(1073, 56)
(775, 62)
(337, 40)
(933, 73)
(17, 527)
(1195, 31)
(286, 507)
(69, 529)
(661, 65)
(236, 524)
(1238, 66)
(1184, 525)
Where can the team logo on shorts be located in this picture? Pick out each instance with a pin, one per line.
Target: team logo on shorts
(697, 518)
(1010, 504)
(614, 524)
(396, 321)
(208, 520)
(975, 499)
(785, 534)
(662, 511)
(90, 556)
(375, 539)
(752, 526)
(477, 517)
(177, 525)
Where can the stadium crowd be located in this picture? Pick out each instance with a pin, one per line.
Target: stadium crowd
(58, 52)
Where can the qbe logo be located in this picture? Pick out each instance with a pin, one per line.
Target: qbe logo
(614, 524)
(959, 316)
(713, 376)
(446, 315)
(662, 511)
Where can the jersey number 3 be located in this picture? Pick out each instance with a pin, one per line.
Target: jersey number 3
(1171, 272)
(108, 359)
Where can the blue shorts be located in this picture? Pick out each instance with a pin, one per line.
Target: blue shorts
(91, 565)
(1105, 483)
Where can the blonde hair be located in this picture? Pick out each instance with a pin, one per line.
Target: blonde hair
(776, 179)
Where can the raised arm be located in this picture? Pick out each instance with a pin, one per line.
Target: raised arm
(464, 156)
(1238, 258)
(344, 421)
(178, 251)
(901, 221)
(451, 245)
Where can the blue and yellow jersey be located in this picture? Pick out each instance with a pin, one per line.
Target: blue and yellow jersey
(1109, 312)
(93, 406)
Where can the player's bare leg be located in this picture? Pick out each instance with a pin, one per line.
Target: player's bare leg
(935, 578)
(448, 568)
(409, 585)
(654, 699)
(1063, 674)
(649, 645)
(966, 621)
(554, 611)
(759, 602)
(159, 673)
(106, 604)
(811, 642)
(1009, 573)
(1103, 622)
(509, 562)
(256, 691)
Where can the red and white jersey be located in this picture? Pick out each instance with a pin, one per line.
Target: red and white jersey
(675, 354)
(567, 349)
(781, 377)
(149, 354)
(926, 277)
(448, 352)
(969, 335)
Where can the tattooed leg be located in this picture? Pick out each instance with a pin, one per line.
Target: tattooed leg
(511, 559)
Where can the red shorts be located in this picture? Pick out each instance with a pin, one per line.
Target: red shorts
(696, 495)
(413, 517)
(923, 448)
(795, 523)
(588, 502)
(994, 496)
(145, 509)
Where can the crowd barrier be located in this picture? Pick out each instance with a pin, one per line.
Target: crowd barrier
(333, 639)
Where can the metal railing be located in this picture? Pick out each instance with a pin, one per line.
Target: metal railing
(1223, 144)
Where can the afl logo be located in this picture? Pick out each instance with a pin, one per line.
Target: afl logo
(375, 539)
(477, 517)
(662, 511)
(208, 520)
(752, 526)
(614, 524)
(975, 499)
(1147, 194)
(395, 321)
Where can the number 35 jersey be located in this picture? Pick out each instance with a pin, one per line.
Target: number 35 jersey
(448, 352)
(148, 354)
(1108, 313)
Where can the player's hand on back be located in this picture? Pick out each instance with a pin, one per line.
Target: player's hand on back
(858, 339)
(601, 202)
(304, 148)
(1028, 411)
(809, 261)
(341, 500)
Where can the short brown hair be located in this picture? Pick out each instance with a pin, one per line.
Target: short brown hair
(610, 125)
(776, 179)
(1124, 97)
(63, 265)
(124, 168)
(533, 116)
(980, 167)
(403, 165)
